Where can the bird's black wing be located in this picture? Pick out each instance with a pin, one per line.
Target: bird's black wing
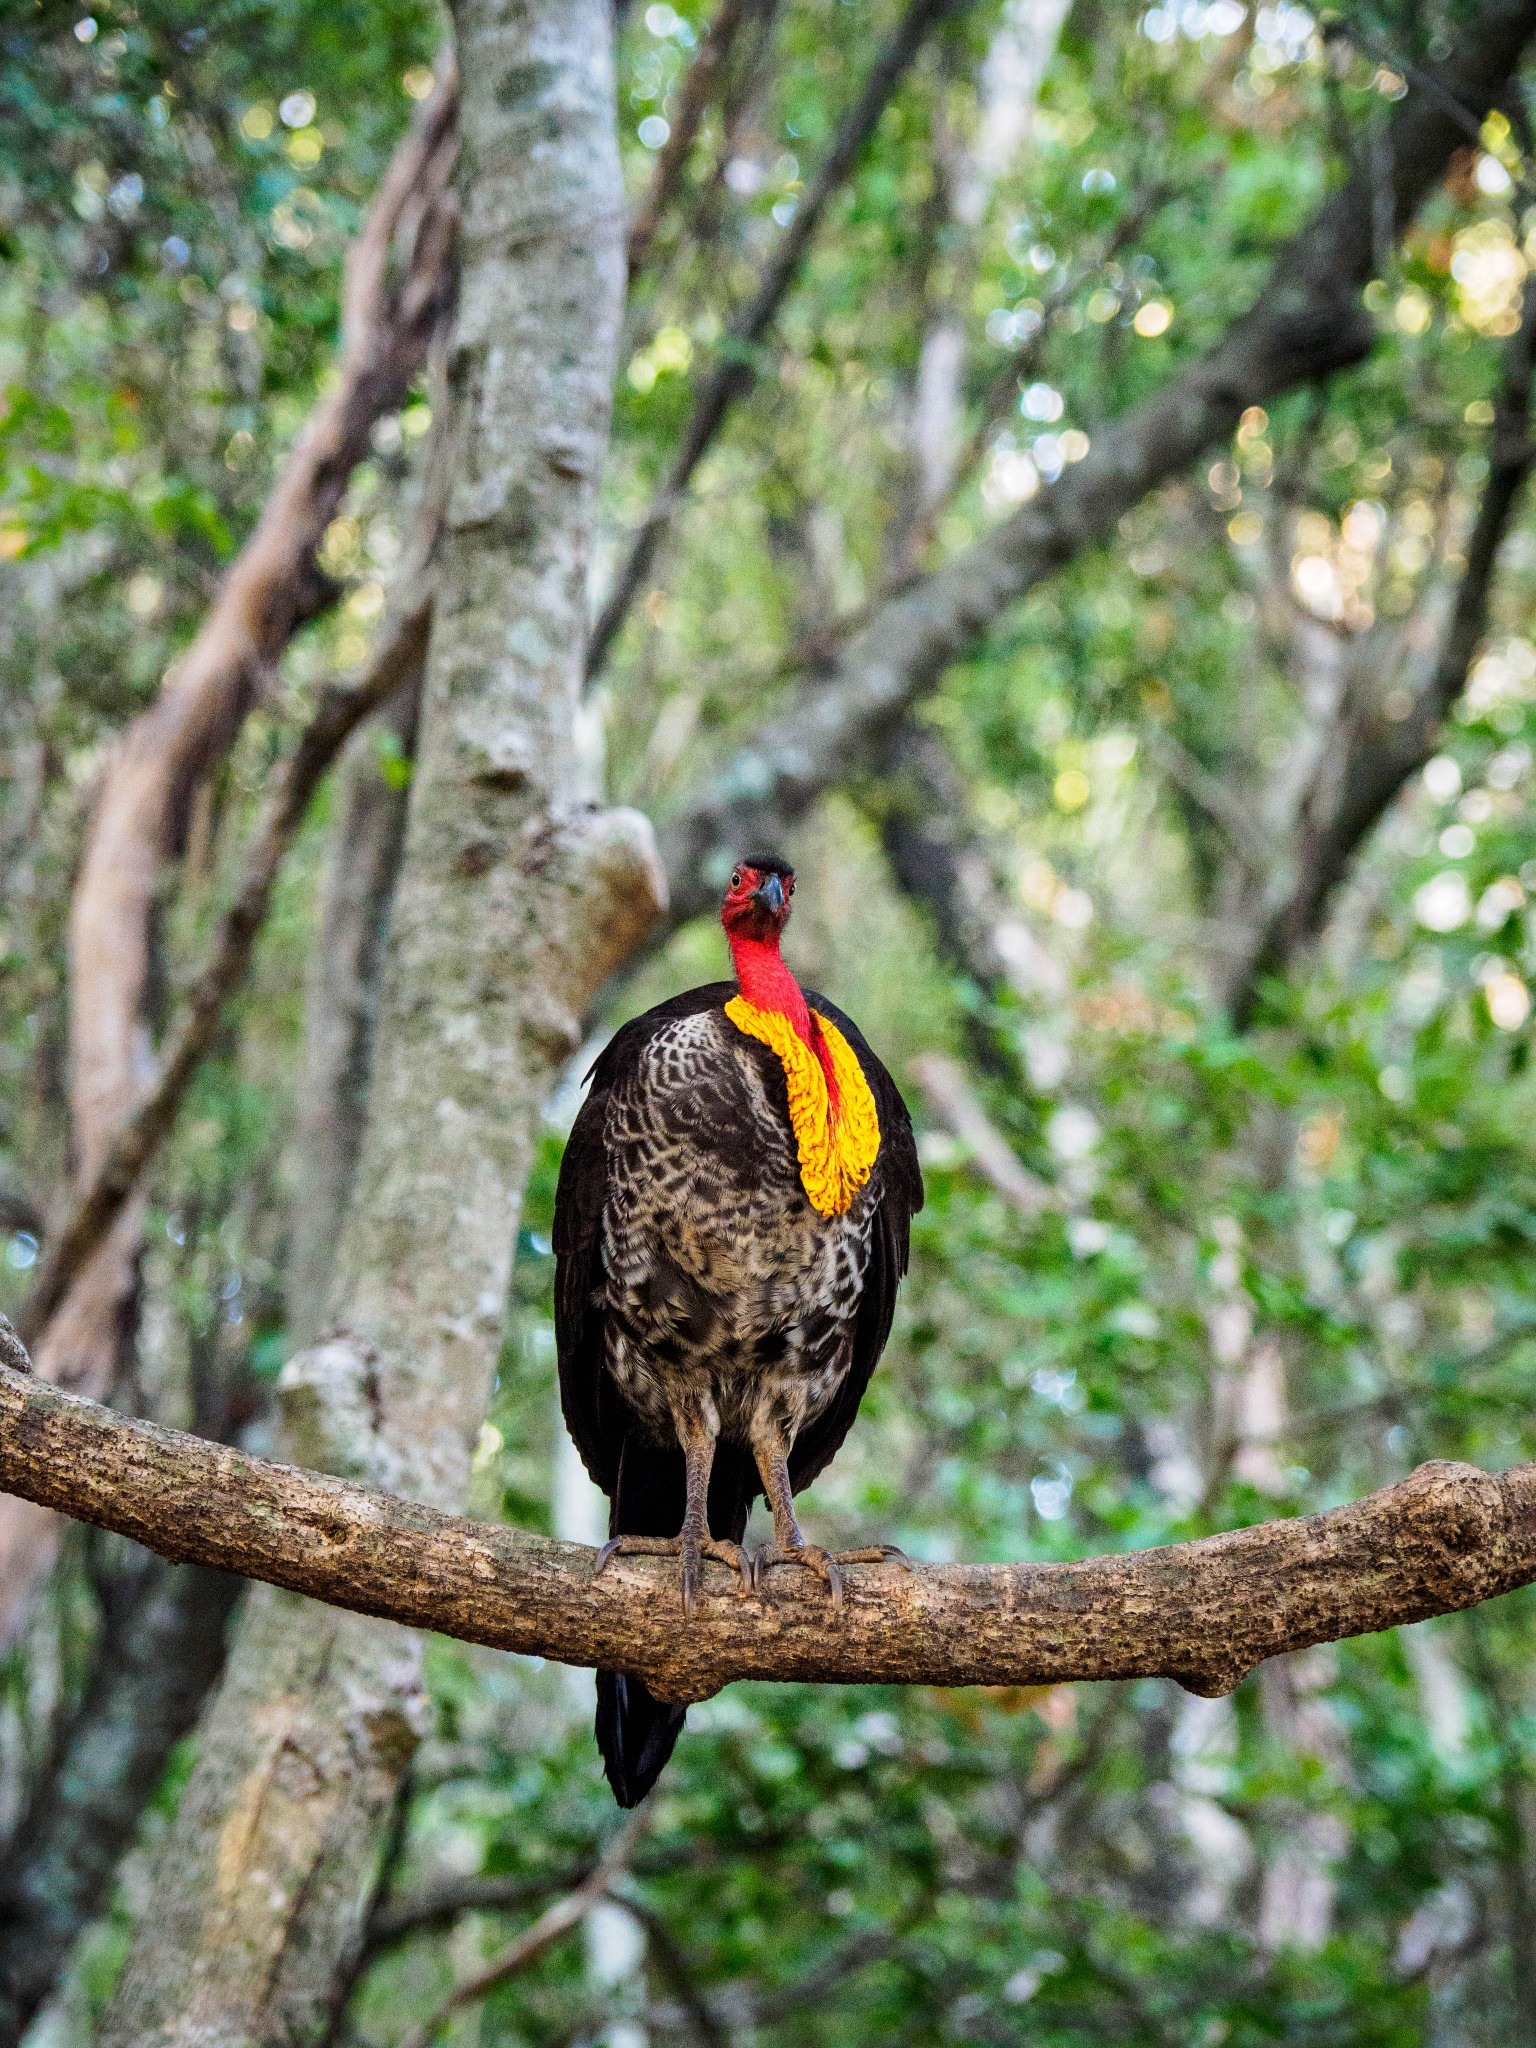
(900, 1198)
(595, 1413)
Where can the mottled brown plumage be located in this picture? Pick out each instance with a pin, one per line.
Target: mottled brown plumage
(716, 1333)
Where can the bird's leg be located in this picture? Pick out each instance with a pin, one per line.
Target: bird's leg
(770, 1447)
(693, 1542)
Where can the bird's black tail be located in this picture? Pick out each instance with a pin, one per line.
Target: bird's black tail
(637, 1732)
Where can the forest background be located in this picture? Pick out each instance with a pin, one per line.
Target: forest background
(1066, 487)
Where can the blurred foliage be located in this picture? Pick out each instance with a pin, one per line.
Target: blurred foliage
(1282, 1268)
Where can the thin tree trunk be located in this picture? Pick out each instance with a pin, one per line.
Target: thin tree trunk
(342, 999)
(515, 902)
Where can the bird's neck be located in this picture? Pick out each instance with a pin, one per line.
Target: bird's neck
(765, 981)
(768, 984)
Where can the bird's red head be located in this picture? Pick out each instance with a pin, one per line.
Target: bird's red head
(756, 906)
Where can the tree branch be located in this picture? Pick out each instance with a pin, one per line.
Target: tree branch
(955, 1103)
(554, 1922)
(1224, 806)
(1306, 324)
(431, 1907)
(1373, 757)
(666, 1952)
(1203, 1613)
(736, 371)
(97, 1204)
(692, 101)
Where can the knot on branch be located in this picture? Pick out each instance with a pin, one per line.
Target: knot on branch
(618, 890)
(1446, 1531)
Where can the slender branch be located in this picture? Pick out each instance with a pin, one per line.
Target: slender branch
(553, 1923)
(1306, 324)
(1203, 1613)
(825, 1978)
(688, 117)
(1374, 757)
(96, 1205)
(953, 1100)
(1000, 392)
(817, 648)
(942, 860)
(672, 1964)
(1223, 805)
(1369, 46)
(429, 1908)
(736, 371)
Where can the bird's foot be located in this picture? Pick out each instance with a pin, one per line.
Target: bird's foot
(877, 1553)
(827, 1564)
(812, 1557)
(691, 1549)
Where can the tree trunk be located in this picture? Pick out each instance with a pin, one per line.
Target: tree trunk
(515, 901)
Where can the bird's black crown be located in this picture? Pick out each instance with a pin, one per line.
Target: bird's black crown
(768, 864)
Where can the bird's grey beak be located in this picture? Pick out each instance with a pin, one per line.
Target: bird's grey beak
(770, 893)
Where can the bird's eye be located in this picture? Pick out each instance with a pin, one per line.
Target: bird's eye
(790, 890)
(736, 879)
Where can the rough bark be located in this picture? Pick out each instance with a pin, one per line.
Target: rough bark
(516, 899)
(146, 1693)
(140, 810)
(1203, 1613)
(1306, 325)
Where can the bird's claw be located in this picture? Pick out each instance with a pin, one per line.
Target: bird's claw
(690, 1549)
(813, 1557)
(827, 1564)
(877, 1553)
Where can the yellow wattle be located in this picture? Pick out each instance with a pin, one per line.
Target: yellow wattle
(837, 1152)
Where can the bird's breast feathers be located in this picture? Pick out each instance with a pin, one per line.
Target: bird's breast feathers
(838, 1140)
(705, 1160)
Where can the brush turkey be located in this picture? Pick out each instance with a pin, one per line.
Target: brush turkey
(731, 1224)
